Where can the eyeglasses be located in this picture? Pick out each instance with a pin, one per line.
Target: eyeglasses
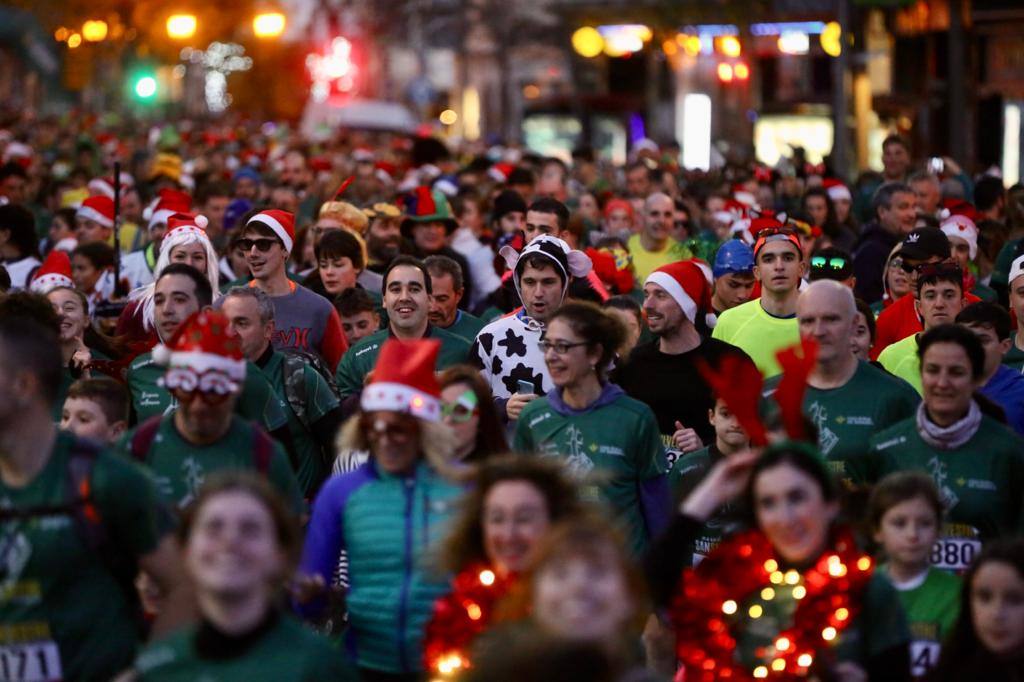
(262, 245)
(832, 262)
(560, 347)
(209, 397)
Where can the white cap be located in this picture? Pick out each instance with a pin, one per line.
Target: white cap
(1016, 270)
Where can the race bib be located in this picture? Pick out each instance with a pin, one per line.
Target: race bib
(30, 662)
(924, 654)
(954, 554)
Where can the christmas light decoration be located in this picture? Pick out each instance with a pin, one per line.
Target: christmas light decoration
(745, 571)
(460, 617)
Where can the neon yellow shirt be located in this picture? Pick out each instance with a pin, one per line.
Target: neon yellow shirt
(759, 334)
(901, 359)
(645, 262)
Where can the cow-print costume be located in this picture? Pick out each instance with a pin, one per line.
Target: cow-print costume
(506, 352)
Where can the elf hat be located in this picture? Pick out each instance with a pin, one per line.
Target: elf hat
(837, 191)
(424, 205)
(99, 209)
(282, 223)
(404, 380)
(54, 272)
(202, 356)
(169, 202)
(688, 286)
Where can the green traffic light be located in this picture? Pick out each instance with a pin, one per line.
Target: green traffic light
(145, 87)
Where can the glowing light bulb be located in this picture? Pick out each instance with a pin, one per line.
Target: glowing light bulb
(729, 607)
(828, 634)
(487, 577)
(767, 594)
(755, 611)
(782, 644)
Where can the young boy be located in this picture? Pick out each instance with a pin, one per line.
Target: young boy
(905, 512)
(359, 316)
(689, 470)
(96, 409)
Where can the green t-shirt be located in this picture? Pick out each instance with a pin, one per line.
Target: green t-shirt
(613, 447)
(759, 334)
(360, 359)
(645, 262)
(63, 612)
(900, 359)
(847, 416)
(881, 625)
(179, 467)
(981, 483)
(258, 401)
(320, 400)
(1014, 358)
(466, 326)
(287, 652)
(685, 475)
(932, 607)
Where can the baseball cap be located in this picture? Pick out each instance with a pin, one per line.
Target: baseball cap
(925, 242)
(1016, 270)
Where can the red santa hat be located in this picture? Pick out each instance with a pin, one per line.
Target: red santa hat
(404, 380)
(202, 356)
(183, 227)
(744, 196)
(837, 191)
(169, 202)
(281, 222)
(688, 286)
(500, 172)
(99, 209)
(766, 220)
(54, 272)
(105, 186)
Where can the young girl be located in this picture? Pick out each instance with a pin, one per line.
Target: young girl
(905, 514)
(988, 639)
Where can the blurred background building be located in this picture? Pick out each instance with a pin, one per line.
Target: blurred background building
(745, 77)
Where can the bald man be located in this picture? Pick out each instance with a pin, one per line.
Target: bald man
(654, 245)
(847, 399)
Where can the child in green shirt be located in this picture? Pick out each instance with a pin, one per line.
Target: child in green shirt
(905, 512)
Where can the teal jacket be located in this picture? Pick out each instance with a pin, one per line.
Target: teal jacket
(387, 525)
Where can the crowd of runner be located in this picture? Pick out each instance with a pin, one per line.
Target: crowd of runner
(376, 407)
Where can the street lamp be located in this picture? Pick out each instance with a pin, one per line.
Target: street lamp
(94, 30)
(587, 42)
(181, 26)
(268, 24)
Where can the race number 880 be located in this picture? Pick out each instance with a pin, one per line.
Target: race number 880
(954, 554)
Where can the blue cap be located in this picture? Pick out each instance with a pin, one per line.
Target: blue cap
(246, 172)
(733, 256)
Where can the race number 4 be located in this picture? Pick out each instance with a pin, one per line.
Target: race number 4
(923, 657)
(30, 662)
(954, 554)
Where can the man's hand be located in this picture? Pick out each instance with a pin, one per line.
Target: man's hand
(686, 440)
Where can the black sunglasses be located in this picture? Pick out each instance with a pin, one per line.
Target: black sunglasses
(262, 245)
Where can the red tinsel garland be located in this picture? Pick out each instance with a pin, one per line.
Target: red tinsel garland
(460, 617)
(746, 566)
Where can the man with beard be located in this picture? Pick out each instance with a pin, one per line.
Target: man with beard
(384, 236)
(663, 373)
(407, 288)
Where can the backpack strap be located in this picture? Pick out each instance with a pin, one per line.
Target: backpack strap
(78, 493)
(144, 436)
(262, 448)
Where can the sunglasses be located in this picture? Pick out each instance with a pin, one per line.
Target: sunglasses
(209, 397)
(262, 245)
(831, 262)
(896, 262)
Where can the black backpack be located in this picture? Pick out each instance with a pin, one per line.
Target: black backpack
(294, 367)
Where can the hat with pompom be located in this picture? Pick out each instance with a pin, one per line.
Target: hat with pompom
(54, 272)
(202, 356)
(404, 380)
(687, 284)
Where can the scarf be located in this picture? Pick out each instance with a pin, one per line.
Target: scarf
(948, 437)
